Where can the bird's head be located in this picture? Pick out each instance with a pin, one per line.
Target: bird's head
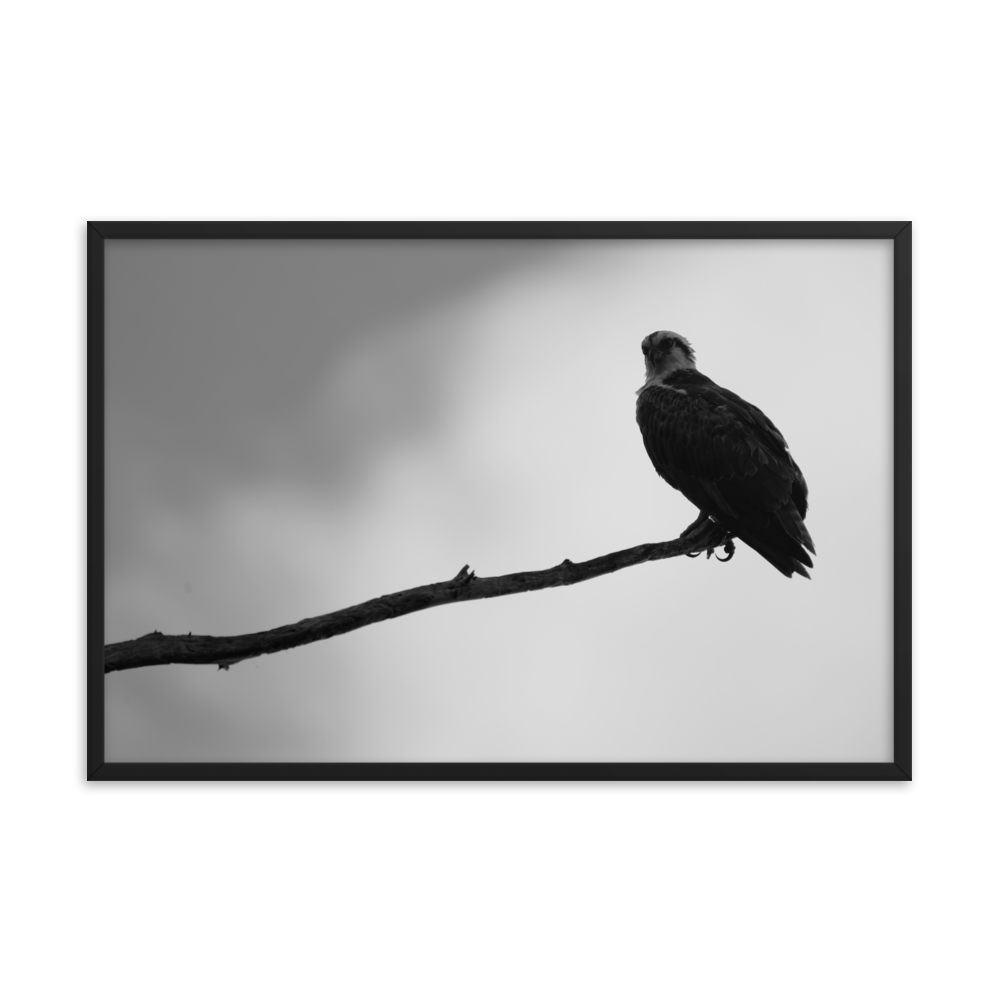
(666, 352)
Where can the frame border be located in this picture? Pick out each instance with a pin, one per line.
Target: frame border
(900, 769)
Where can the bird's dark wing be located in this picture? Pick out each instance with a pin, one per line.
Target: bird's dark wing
(730, 460)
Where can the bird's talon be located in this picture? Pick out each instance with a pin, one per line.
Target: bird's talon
(730, 550)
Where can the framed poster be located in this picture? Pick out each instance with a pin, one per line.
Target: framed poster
(380, 500)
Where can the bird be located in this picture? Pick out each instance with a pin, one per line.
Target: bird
(723, 454)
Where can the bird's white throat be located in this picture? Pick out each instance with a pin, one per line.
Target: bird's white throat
(659, 380)
(675, 360)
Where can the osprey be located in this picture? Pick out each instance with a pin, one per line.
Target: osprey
(723, 454)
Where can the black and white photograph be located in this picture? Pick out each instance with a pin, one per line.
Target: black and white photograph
(391, 431)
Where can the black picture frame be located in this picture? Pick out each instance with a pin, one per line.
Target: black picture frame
(901, 235)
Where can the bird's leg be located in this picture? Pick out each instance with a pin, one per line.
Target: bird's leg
(695, 525)
(694, 528)
(707, 530)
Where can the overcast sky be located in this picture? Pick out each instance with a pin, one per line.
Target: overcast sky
(296, 427)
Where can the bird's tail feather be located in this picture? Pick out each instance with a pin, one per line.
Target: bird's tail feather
(781, 561)
(781, 547)
(791, 521)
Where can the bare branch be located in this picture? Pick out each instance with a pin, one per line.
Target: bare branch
(155, 648)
